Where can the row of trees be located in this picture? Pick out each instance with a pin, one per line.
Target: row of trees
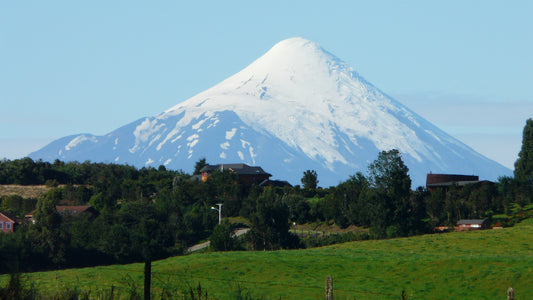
(143, 215)
(151, 213)
(384, 202)
(135, 232)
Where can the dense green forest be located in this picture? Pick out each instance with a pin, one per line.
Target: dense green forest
(147, 214)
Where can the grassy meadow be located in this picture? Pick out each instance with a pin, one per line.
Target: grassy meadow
(457, 265)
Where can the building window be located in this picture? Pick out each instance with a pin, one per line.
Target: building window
(8, 225)
(1, 225)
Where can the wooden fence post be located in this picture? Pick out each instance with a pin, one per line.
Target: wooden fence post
(510, 293)
(329, 288)
(147, 278)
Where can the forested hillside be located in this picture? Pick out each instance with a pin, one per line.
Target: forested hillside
(146, 214)
(155, 213)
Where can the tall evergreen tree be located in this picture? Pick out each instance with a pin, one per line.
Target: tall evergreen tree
(524, 164)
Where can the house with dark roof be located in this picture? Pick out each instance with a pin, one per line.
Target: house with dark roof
(68, 210)
(471, 224)
(248, 175)
(7, 223)
(76, 210)
(445, 181)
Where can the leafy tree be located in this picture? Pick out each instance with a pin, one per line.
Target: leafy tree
(270, 224)
(225, 187)
(376, 211)
(12, 204)
(222, 238)
(389, 177)
(149, 234)
(302, 212)
(298, 207)
(507, 189)
(26, 172)
(419, 220)
(350, 208)
(142, 233)
(451, 206)
(389, 174)
(97, 201)
(11, 252)
(80, 227)
(310, 179)
(48, 232)
(327, 208)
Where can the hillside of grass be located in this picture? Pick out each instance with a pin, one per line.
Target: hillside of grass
(457, 265)
(25, 191)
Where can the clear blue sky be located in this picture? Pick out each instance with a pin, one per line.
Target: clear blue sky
(69, 67)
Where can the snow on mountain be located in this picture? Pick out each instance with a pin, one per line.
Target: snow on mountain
(296, 108)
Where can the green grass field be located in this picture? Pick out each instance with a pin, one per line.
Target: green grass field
(458, 265)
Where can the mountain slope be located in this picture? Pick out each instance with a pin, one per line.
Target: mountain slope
(297, 107)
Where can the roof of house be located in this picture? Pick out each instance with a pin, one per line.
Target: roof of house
(275, 183)
(241, 169)
(470, 221)
(8, 217)
(73, 209)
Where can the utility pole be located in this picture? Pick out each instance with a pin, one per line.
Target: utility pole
(219, 209)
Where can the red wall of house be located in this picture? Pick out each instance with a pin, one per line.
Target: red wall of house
(6, 224)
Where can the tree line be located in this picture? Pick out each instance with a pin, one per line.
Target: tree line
(152, 213)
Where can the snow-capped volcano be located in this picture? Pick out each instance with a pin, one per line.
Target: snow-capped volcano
(296, 108)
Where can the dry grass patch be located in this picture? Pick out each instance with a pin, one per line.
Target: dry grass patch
(25, 191)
